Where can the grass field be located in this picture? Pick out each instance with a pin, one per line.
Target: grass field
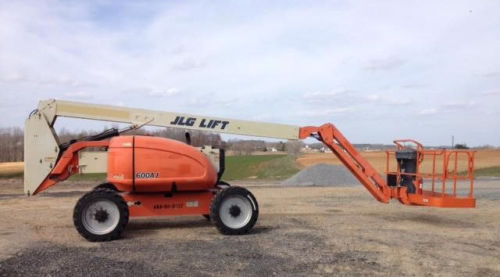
(489, 171)
(266, 167)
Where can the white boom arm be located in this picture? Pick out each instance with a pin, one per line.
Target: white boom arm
(51, 109)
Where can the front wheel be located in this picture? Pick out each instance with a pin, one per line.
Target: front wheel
(220, 185)
(101, 215)
(234, 211)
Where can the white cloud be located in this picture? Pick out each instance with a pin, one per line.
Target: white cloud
(453, 105)
(429, 111)
(385, 64)
(403, 101)
(492, 93)
(196, 101)
(12, 77)
(388, 100)
(355, 64)
(373, 97)
(164, 93)
(321, 96)
(326, 112)
(81, 95)
(188, 64)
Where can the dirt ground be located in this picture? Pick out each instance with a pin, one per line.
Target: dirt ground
(301, 231)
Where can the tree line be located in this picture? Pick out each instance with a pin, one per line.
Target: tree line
(12, 139)
(12, 142)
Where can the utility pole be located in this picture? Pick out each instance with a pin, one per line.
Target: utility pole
(452, 142)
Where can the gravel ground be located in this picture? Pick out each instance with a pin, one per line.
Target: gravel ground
(323, 175)
(301, 231)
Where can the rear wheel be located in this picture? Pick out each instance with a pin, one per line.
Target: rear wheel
(234, 211)
(101, 215)
(106, 186)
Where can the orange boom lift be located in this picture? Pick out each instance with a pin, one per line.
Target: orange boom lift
(153, 176)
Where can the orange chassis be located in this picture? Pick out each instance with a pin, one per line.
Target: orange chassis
(140, 204)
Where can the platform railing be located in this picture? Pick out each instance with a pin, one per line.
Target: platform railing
(447, 167)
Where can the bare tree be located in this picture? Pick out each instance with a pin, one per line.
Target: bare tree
(293, 147)
(11, 144)
(246, 147)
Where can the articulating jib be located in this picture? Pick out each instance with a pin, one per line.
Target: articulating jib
(349, 156)
(378, 187)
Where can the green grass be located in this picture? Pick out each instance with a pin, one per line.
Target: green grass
(88, 177)
(268, 167)
(488, 171)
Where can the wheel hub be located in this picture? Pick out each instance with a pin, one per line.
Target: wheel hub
(234, 211)
(101, 215)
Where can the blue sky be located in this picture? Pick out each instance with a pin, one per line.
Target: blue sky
(379, 70)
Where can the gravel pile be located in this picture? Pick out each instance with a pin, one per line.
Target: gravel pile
(323, 175)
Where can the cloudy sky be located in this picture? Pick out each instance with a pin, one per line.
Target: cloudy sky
(379, 70)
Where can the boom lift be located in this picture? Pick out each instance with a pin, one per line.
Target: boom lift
(152, 176)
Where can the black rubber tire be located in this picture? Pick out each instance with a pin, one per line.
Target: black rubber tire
(216, 206)
(90, 197)
(220, 185)
(106, 186)
(223, 185)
